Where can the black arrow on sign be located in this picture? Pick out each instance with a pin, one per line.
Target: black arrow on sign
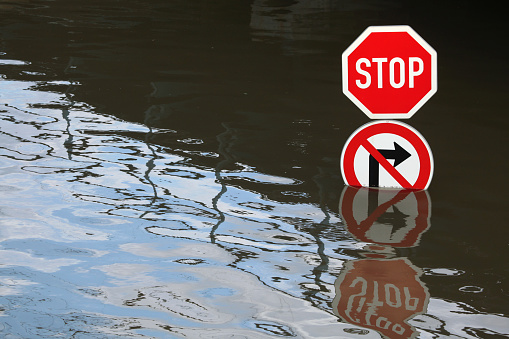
(399, 154)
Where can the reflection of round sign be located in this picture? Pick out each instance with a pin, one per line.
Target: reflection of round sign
(396, 218)
(381, 295)
(387, 154)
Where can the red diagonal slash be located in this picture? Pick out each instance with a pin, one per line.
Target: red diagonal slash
(386, 164)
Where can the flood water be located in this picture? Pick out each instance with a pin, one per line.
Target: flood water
(170, 169)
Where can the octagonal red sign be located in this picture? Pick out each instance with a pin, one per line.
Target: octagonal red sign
(389, 72)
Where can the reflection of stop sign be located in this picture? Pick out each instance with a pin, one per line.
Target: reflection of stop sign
(382, 295)
(389, 72)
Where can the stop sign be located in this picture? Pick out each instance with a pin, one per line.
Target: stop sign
(389, 72)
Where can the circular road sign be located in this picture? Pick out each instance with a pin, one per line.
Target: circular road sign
(387, 154)
(389, 72)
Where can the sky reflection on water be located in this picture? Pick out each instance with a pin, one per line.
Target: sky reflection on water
(80, 215)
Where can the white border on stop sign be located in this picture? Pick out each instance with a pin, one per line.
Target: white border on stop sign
(420, 40)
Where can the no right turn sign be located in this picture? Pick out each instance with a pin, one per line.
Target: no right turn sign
(387, 154)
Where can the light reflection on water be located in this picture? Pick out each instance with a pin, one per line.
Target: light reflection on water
(88, 191)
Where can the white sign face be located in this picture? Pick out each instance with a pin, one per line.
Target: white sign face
(387, 154)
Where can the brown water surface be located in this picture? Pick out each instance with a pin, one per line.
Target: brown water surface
(171, 169)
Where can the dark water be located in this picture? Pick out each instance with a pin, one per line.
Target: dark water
(171, 169)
